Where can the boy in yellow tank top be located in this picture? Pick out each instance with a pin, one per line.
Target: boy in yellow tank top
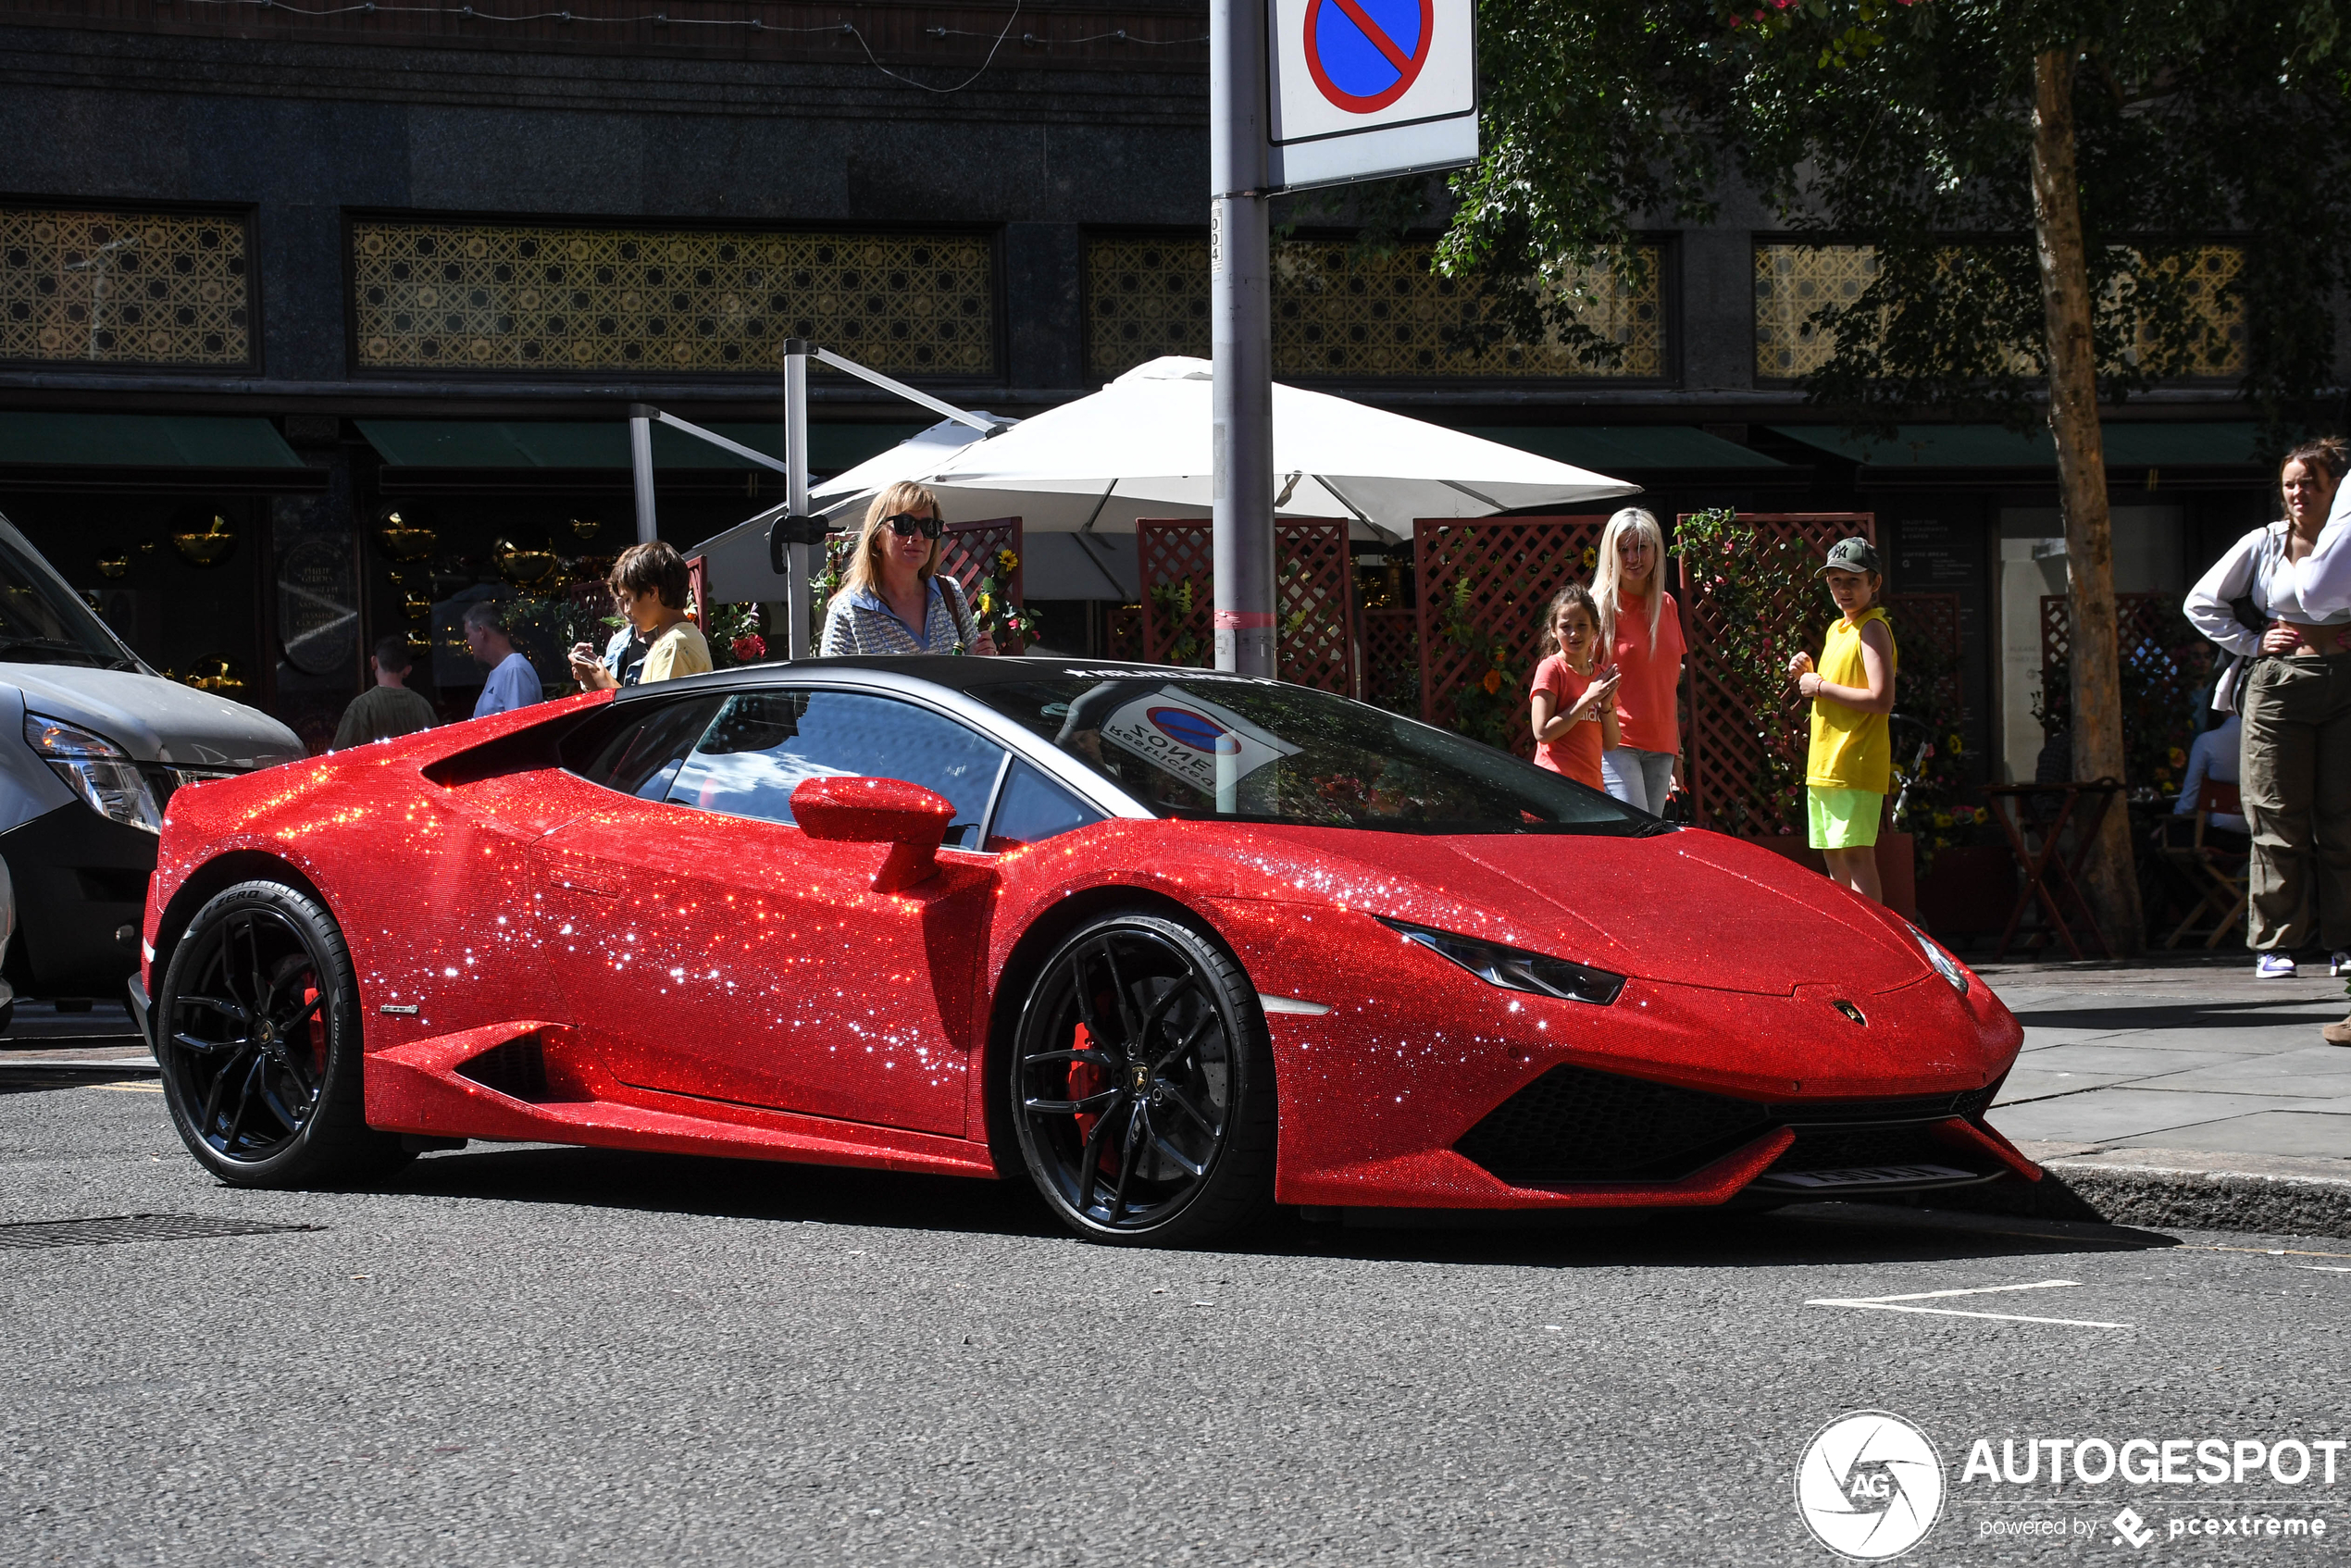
(1851, 761)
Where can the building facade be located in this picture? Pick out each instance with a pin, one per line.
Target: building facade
(317, 320)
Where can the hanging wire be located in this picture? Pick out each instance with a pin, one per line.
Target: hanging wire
(663, 18)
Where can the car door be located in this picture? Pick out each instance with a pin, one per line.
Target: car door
(738, 959)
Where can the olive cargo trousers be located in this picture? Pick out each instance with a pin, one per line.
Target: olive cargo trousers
(2297, 796)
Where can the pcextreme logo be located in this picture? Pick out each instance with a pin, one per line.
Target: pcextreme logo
(1869, 1485)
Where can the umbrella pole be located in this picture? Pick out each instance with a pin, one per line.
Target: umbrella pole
(1240, 331)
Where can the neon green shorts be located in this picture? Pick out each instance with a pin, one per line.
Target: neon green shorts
(1842, 819)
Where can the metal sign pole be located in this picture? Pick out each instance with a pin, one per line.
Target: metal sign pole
(796, 490)
(641, 469)
(1240, 331)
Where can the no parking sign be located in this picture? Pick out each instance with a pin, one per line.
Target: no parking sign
(1366, 87)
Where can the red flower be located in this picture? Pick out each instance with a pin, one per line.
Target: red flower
(747, 649)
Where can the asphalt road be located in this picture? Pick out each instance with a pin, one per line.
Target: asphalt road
(533, 1355)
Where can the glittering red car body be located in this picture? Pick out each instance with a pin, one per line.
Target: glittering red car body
(539, 958)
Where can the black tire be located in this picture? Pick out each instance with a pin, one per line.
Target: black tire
(1141, 1086)
(258, 1030)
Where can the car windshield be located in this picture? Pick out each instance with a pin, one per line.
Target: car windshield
(41, 622)
(1238, 748)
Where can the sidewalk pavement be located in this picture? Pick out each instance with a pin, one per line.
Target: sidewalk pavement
(2179, 1090)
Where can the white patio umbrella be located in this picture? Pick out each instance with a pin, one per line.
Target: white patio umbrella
(1141, 446)
(916, 457)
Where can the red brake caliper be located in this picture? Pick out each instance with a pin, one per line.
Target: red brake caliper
(318, 1034)
(1086, 1079)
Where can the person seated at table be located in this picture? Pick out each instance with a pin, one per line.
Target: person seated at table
(2214, 755)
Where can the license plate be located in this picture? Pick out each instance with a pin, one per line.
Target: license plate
(1869, 1176)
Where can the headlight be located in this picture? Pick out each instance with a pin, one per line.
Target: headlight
(1945, 965)
(1514, 970)
(95, 769)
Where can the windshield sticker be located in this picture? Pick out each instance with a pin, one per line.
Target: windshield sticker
(1193, 738)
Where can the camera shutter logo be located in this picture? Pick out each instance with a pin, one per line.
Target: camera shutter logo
(1869, 1485)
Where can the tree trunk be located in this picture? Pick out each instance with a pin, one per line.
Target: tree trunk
(2109, 879)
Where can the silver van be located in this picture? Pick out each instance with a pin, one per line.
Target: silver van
(93, 743)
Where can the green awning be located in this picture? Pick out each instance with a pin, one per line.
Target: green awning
(2134, 444)
(143, 441)
(1606, 448)
(528, 444)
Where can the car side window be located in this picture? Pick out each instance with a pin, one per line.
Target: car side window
(1035, 808)
(638, 750)
(763, 744)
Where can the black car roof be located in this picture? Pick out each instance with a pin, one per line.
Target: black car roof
(955, 673)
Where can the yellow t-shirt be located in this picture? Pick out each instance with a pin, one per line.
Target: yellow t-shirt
(682, 650)
(1851, 749)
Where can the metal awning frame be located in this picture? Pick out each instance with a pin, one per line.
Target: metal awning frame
(796, 532)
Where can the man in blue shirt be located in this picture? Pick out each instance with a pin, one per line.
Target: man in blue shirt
(513, 683)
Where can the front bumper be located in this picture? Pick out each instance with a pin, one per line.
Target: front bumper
(81, 878)
(1425, 1087)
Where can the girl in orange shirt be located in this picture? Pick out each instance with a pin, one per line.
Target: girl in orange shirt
(1574, 701)
(1642, 628)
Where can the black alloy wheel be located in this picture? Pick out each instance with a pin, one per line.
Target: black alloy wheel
(257, 1032)
(1142, 1084)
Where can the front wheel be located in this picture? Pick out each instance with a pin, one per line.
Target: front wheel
(256, 1028)
(1142, 1084)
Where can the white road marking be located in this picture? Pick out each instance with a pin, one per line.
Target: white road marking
(132, 1088)
(1899, 1304)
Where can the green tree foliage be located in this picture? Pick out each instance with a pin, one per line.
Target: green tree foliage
(1908, 128)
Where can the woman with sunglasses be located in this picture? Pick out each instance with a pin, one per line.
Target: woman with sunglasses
(893, 598)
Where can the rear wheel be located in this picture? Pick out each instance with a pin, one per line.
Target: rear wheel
(1143, 1086)
(257, 1032)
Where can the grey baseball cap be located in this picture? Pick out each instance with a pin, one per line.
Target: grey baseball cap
(1855, 555)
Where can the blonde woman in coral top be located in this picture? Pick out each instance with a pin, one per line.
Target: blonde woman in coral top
(1642, 626)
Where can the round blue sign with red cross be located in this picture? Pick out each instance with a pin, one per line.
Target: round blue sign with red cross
(1366, 54)
(1195, 730)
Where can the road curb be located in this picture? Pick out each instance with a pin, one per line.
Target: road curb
(2269, 1194)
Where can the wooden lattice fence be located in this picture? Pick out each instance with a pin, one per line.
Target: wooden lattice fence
(2166, 669)
(1314, 600)
(968, 553)
(1483, 585)
(1392, 660)
(1924, 620)
(1743, 738)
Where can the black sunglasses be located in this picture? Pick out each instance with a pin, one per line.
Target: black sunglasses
(905, 525)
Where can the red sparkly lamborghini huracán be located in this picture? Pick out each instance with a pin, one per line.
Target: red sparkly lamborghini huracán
(1172, 945)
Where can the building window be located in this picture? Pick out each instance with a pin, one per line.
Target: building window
(511, 296)
(1792, 283)
(101, 287)
(1336, 315)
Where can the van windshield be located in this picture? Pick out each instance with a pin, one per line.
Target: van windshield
(41, 622)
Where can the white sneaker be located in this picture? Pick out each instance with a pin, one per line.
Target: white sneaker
(2274, 966)
(2339, 964)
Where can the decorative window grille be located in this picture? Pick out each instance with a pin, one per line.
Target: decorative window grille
(1334, 314)
(115, 288)
(508, 296)
(1792, 283)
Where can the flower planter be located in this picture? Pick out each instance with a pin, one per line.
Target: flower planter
(1897, 866)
